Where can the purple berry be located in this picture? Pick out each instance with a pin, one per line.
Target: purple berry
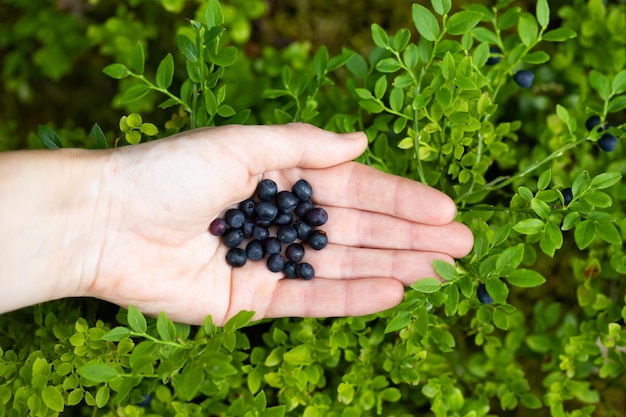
(316, 217)
(318, 240)
(524, 78)
(218, 227)
(607, 142)
(294, 252)
(286, 201)
(254, 250)
(248, 229)
(236, 257)
(305, 271)
(302, 189)
(247, 208)
(232, 238)
(260, 233)
(266, 189)
(304, 206)
(275, 262)
(303, 229)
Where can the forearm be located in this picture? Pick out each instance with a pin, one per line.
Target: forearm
(50, 216)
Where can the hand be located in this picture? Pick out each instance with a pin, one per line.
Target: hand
(157, 254)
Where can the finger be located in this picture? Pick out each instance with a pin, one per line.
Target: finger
(344, 262)
(333, 298)
(374, 230)
(356, 185)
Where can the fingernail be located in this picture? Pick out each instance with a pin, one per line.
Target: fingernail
(352, 135)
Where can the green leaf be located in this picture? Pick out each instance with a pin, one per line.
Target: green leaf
(379, 36)
(598, 199)
(510, 258)
(527, 29)
(133, 137)
(619, 82)
(581, 183)
(213, 15)
(536, 58)
(441, 7)
(427, 285)
(445, 270)
(139, 59)
(500, 319)
(605, 180)
(165, 72)
(562, 113)
(608, 232)
(136, 320)
(584, 234)
(543, 13)
(299, 355)
(98, 372)
(600, 83)
(116, 334)
(149, 129)
(52, 397)
(544, 179)
(411, 58)
(165, 327)
(320, 60)
(497, 290)
(525, 278)
(558, 35)
(391, 394)
(380, 87)
(462, 22)
(134, 93)
(226, 57)
(401, 39)
(448, 67)
(188, 48)
(97, 134)
(225, 110)
(340, 60)
(551, 239)
(396, 101)
(388, 65)
(616, 104)
(49, 137)
(102, 396)
(238, 321)
(540, 207)
(117, 71)
(425, 22)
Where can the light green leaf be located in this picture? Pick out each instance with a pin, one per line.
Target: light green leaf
(600, 83)
(608, 232)
(605, 180)
(551, 239)
(97, 372)
(188, 48)
(525, 278)
(213, 14)
(427, 285)
(445, 270)
(134, 93)
(117, 71)
(102, 396)
(619, 83)
(399, 322)
(116, 334)
(527, 29)
(226, 57)
(320, 60)
(388, 65)
(540, 207)
(139, 59)
(425, 22)
(441, 7)
(461, 22)
(558, 35)
(52, 397)
(396, 100)
(536, 58)
(165, 327)
(584, 234)
(510, 258)
(380, 87)
(238, 321)
(448, 67)
(544, 179)
(136, 320)
(543, 13)
(165, 72)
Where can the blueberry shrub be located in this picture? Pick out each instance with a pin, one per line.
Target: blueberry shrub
(514, 109)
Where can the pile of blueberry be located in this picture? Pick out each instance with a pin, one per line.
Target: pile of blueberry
(259, 227)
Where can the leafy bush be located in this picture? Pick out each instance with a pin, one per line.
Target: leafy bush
(440, 103)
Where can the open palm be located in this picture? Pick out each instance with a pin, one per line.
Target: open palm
(384, 231)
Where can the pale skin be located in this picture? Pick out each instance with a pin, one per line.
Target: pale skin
(129, 225)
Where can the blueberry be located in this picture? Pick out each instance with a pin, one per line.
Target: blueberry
(304, 206)
(303, 229)
(272, 245)
(305, 270)
(247, 208)
(567, 196)
(316, 217)
(483, 295)
(286, 201)
(495, 57)
(218, 227)
(318, 240)
(147, 399)
(236, 257)
(294, 252)
(234, 218)
(524, 78)
(607, 142)
(254, 250)
(266, 210)
(260, 232)
(248, 229)
(302, 189)
(263, 223)
(266, 190)
(286, 233)
(290, 270)
(275, 262)
(592, 122)
(283, 219)
(232, 238)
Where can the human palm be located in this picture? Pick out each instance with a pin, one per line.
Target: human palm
(384, 231)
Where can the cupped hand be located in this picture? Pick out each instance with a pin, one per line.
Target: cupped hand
(160, 197)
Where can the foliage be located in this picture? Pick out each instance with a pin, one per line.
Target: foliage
(437, 109)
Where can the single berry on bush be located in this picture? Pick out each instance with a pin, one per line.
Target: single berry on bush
(254, 250)
(316, 217)
(236, 257)
(266, 189)
(567, 196)
(275, 262)
(294, 252)
(286, 234)
(232, 238)
(303, 229)
(272, 245)
(305, 270)
(286, 201)
(483, 295)
(218, 227)
(592, 122)
(302, 189)
(247, 208)
(607, 142)
(290, 270)
(234, 218)
(495, 55)
(266, 211)
(318, 240)
(303, 207)
(524, 78)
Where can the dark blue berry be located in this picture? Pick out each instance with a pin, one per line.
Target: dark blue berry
(266, 190)
(232, 238)
(234, 218)
(286, 201)
(592, 122)
(302, 189)
(218, 227)
(248, 229)
(283, 219)
(247, 208)
(260, 232)
(290, 270)
(524, 78)
(266, 210)
(483, 295)
(318, 240)
(263, 223)
(303, 229)
(567, 196)
(254, 250)
(304, 206)
(275, 262)
(496, 55)
(236, 257)
(305, 270)
(294, 252)
(607, 142)
(147, 399)
(316, 217)
(272, 245)
(286, 234)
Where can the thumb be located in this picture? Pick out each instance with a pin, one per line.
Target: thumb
(267, 148)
